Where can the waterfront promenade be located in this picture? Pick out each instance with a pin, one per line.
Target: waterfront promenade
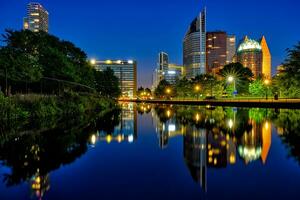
(261, 103)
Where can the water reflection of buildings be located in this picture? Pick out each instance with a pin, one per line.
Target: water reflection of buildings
(209, 142)
(125, 131)
(195, 153)
(256, 143)
(39, 185)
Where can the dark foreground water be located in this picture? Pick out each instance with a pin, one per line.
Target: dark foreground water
(156, 152)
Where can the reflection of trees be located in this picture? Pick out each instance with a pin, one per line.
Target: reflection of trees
(40, 153)
(288, 126)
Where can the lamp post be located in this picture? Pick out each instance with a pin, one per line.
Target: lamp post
(231, 79)
(267, 83)
(197, 89)
(168, 91)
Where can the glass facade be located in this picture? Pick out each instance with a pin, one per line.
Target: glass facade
(126, 71)
(216, 50)
(37, 18)
(194, 47)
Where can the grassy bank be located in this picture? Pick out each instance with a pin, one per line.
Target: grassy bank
(24, 107)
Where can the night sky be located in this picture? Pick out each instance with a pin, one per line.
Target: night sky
(139, 29)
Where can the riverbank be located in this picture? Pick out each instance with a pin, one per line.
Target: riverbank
(37, 107)
(259, 103)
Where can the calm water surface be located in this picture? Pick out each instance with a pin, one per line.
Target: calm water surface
(156, 152)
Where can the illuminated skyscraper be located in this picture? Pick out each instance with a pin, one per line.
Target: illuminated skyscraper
(216, 50)
(37, 18)
(163, 61)
(256, 56)
(249, 54)
(194, 47)
(126, 71)
(266, 58)
(231, 48)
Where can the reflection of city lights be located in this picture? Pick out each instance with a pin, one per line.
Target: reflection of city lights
(230, 123)
(249, 153)
(93, 139)
(119, 138)
(197, 117)
(168, 113)
(172, 127)
(267, 125)
(232, 158)
(130, 138)
(108, 139)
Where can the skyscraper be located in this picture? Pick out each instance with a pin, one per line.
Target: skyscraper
(249, 54)
(216, 50)
(256, 56)
(126, 71)
(36, 19)
(266, 58)
(194, 46)
(231, 48)
(163, 61)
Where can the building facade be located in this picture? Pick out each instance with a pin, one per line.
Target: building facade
(166, 71)
(216, 50)
(126, 71)
(249, 54)
(194, 47)
(37, 18)
(231, 48)
(266, 59)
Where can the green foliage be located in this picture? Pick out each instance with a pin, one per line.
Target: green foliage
(160, 91)
(29, 56)
(242, 76)
(209, 85)
(257, 88)
(184, 88)
(107, 84)
(287, 83)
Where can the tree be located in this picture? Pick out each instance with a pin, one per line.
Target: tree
(161, 90)
(107, 84)
(242, 76)
(209, 85)
(184, 88)
(257, 88)
(287, 83)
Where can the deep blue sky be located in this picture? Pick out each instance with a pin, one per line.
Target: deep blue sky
(139, 29)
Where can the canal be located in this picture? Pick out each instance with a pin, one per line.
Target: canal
(148, 151)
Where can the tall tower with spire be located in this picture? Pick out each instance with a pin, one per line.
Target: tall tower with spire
(194, 46)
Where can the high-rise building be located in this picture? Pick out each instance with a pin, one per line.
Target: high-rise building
(249, 54)
(37, 18)
(231, 48)
(166, 71)
(126, 71)
(194, 46)
(163, 61)
(216, 50)
(266, 58)
(256, 56)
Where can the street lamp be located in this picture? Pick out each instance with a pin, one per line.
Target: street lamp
(231, 79)
(93, 61)
(197, 89)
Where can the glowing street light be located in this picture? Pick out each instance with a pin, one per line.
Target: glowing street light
(197, 89)
(168, 90)
(93, 61)
(231, 79)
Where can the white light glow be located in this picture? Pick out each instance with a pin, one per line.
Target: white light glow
(172, 127)
(130, 138)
